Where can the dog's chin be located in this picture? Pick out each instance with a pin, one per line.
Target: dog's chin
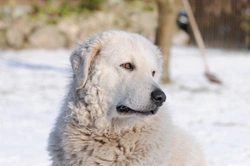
(126, 111)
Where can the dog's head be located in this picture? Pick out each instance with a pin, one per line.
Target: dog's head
(126, 66)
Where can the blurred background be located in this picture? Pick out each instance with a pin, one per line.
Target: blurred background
(37, 37)
(223, 23)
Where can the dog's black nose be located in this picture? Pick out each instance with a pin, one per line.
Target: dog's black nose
(158, 97)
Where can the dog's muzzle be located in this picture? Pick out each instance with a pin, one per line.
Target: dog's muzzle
(157, 96)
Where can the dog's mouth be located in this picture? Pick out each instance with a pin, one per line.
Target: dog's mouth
(124, 110)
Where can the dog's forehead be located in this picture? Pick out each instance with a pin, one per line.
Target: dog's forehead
(131, 49)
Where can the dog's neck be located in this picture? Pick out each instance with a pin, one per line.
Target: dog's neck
(87, 108)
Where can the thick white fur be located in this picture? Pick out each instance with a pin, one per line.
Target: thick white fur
(89, 131)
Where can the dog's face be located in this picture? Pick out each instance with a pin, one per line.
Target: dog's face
(130, 70)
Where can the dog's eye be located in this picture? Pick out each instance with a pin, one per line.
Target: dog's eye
(127, 66)
(153, 73)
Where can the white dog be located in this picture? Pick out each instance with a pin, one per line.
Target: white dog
(111, 114)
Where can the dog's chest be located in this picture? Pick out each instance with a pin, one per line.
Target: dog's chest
(128, 149)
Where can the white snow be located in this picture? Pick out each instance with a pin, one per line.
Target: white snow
(33, 84)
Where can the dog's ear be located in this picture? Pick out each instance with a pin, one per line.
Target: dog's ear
(82, 57)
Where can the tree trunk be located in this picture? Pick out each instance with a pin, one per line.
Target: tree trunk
(167, 14)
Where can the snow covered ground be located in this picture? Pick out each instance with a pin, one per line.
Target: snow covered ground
(33, 84)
